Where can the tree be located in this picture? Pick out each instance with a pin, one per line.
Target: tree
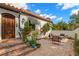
(61, 25)
(74, 20)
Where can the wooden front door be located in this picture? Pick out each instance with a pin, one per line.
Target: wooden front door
(8, 26)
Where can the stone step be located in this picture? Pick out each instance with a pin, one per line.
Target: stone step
(16, 48)
(2, 41)
(9, 40)
(8, 45)
(25, 52)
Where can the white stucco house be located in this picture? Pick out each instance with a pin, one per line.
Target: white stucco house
(11, 18)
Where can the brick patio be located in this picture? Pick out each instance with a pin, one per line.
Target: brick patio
(13, 47)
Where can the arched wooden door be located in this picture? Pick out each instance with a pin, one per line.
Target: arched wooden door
(8, 26)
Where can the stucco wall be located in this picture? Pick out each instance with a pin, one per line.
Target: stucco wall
(16, 19)
(23, 18)
(42, 23)
(69, 33)
(38, 23)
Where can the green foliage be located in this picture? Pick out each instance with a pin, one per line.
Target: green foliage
(26, 30)
(71, 25)
(46, 27)
(34, 40)
(31, 40)
(29, 35)
(28, 27)
(74, 23)
(32, 25)
(76, 45)
(61, 25)
(34, 33)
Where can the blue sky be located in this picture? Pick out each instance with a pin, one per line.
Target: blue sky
(55, 11)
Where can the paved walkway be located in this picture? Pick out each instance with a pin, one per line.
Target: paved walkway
(48, 48)
(51, 49)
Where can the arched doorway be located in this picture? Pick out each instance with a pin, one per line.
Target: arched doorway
(8, 26)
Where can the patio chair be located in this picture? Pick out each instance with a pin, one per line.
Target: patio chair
(56, 38)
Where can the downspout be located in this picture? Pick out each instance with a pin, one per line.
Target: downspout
(19, 21)
(19, 28)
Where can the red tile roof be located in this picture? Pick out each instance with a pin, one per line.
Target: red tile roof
(15, 9)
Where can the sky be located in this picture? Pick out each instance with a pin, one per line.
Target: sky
(55, 11)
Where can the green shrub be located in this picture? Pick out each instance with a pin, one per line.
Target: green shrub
(34, 33)
(76, 45)
(46, 27)
(32, 41)
(29, 35)
(26, 30)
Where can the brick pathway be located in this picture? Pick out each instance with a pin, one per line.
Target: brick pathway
(50, 49)
(15, 47)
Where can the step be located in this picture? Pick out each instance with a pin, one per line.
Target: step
(25, 51)
(2, 41)
(8, 45)
(14, 48)
(14, 52)
(8, 40)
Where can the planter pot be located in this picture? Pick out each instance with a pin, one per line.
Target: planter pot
(34, 46)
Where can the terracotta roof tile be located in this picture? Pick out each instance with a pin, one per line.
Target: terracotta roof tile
(13, 8)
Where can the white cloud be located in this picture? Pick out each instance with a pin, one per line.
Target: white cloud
(59, 4)
(74, 11)
(59, 19)
(53, 17)
(38, 11)
(48, 16)
(67, 5)
(20, 5)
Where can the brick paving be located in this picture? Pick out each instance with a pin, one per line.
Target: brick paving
(48, 48)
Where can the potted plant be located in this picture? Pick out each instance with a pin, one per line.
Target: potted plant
(29, 36)
(32, 40)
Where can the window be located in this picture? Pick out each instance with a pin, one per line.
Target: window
(23, 20)
(32, 25)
